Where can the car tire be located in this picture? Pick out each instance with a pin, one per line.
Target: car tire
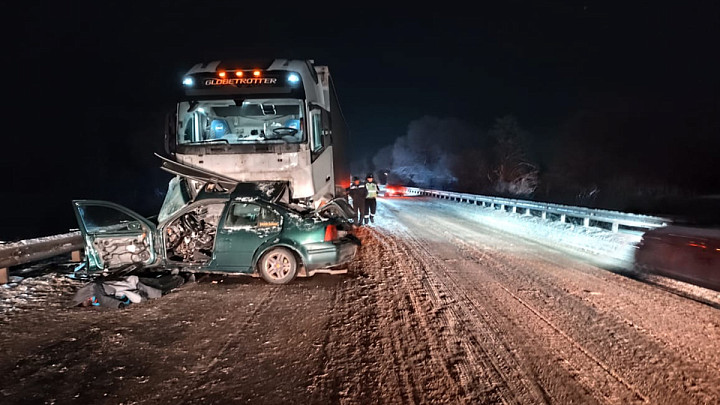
(278, 266)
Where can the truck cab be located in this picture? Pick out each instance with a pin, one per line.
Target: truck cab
(253, 121)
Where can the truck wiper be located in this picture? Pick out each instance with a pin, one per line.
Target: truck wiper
(210, 141)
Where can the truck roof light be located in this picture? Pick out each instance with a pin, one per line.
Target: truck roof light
(256, 73)
(188, 81)
(238, 73)
(293, 78)
(221, 74)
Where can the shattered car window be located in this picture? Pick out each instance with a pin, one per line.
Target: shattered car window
(175, 199)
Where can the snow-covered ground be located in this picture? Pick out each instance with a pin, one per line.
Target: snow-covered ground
(445, 303)
(602, 247)
(52, 290)
(614, 247)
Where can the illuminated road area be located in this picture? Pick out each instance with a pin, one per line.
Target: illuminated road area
(504, 320)
(438, 308)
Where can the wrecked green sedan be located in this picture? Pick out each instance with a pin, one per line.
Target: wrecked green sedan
(244, 231)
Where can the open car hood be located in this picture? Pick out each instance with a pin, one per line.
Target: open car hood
(196, 173)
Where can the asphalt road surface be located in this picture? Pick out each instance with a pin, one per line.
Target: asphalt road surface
(436, 309)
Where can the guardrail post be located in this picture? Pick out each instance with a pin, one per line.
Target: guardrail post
(563, 218)
(615, 227)
(586, 222)
(3, 275)
(527, 212)
(502, 207)
(514, 210)
(544, 215)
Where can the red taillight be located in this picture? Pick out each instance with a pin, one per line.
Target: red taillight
(331, 233)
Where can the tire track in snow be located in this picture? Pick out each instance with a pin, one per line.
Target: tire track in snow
(397, 350)
(500, 374)
(202, 374)
(482, 341)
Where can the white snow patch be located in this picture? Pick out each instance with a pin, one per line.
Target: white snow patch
(36, 293)
(615, 248)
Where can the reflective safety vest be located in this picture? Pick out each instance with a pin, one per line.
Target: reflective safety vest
(372, 190)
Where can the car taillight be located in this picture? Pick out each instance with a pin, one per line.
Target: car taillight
(331, 233)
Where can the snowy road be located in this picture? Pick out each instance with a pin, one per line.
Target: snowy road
(440, 307)
(525, 324)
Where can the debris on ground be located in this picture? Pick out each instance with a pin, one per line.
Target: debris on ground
(57, 288)
(47, 291)
(115, 293)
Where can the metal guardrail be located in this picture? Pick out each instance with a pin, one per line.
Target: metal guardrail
(32, 250)
(617, 221)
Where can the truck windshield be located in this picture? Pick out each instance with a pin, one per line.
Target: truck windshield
(241, 122)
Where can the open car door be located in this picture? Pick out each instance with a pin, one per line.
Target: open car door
(116, 236)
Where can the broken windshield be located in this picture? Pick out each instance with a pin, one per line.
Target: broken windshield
(241, 121)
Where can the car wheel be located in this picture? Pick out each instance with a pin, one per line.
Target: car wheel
(278, 266)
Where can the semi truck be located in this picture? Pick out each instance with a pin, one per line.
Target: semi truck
(259, 121)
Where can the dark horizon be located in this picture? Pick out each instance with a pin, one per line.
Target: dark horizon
(92, 84)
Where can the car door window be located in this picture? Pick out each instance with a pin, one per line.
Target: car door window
(244, 215)
(101, 219)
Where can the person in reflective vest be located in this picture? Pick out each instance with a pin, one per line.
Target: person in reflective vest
(357, 193)
(370, 201)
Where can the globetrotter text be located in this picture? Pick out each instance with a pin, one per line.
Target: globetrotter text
(251, 80)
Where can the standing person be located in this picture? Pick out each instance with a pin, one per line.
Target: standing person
(357, 193)
(370, 201)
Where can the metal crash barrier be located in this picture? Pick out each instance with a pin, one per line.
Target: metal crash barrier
(33, 250)
(612, 220)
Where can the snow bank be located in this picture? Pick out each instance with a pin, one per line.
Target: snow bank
(615, 248)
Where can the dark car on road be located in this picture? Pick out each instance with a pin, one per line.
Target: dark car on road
(243, 231)
(689, 249)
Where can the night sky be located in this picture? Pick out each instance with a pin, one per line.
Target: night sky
(90, 83)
